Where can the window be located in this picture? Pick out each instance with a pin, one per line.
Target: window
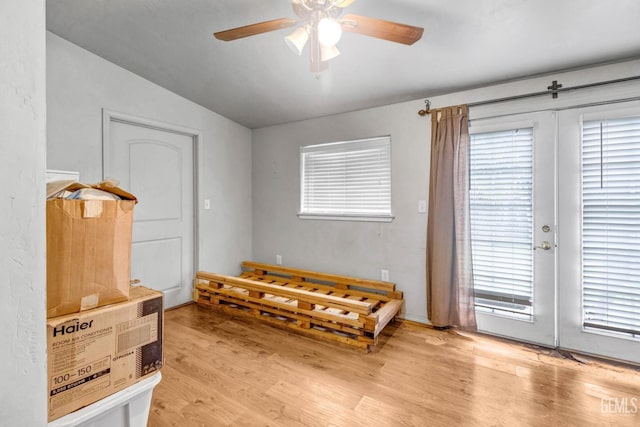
(611, 225)
(347, 180)
(501, 179)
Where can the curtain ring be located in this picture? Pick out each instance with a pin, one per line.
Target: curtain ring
(427, 109)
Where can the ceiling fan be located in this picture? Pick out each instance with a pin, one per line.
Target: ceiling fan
(320, 22)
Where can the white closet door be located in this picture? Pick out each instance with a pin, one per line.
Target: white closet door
(157, 166)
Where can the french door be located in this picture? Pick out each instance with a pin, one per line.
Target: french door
(599, 231)
(512, 169)
(555, 226)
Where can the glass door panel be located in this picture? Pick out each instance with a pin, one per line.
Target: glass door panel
(512, 199)
(599, 234)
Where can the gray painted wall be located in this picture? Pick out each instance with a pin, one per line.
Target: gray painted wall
(344, 247)
(22, 222)
(81, 84)
(363, 249)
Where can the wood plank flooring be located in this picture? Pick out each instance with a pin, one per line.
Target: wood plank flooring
(222, 370)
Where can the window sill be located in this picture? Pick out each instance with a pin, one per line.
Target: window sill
(362, 218)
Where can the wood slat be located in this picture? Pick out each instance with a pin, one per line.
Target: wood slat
(311, 297)
(286, 315)
(235, 297)
(386, 314)
(332, 278)
(309, 285)
(311, 332)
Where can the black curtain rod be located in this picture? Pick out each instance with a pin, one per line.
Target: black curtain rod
(554, 89)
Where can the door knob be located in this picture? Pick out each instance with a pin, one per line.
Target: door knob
(544, 245)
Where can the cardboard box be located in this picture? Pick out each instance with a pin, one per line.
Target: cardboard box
(88, 248)
(98, 352)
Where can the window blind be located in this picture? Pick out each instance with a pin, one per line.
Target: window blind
(611, 224)
(501, 179)
(347, 179)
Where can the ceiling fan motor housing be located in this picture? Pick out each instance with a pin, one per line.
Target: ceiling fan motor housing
(316, 9)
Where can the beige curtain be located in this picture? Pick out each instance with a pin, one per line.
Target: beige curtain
(450, 300)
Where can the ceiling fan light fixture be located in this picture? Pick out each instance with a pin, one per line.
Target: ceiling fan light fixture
(298, 39)
(329, 32)
(320, 24)
(328, 52)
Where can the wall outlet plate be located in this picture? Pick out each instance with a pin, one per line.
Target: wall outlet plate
(279, 259)
(384, 275)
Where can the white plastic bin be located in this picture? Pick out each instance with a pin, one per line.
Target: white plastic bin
(126, 408)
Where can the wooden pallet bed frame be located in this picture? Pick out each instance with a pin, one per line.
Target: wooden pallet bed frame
(345, 309)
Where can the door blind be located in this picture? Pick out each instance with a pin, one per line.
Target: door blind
(348, 179)
(501, 171)
(611, 224)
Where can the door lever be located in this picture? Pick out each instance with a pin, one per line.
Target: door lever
(544, 245)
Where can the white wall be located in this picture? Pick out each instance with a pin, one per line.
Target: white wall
(362, 249)
(80, 84)
(22, 222)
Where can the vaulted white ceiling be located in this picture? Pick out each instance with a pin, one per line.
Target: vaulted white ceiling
(258, 81)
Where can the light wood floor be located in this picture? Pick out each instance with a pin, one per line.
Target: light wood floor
(222, 370)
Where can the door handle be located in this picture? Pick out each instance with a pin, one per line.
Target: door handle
(544, 245)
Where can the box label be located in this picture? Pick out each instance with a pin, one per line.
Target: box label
(79, 382)
(101, 351)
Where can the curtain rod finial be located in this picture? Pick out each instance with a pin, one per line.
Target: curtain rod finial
(427, 109)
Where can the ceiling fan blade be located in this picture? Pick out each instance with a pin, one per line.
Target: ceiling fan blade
(253, 29)
(387, 30)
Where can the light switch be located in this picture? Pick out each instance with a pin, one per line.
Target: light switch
(422, 206)
(207, 204)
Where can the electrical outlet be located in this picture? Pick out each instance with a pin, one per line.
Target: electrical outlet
(279, 259)
(207, 204)
(384, 275)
